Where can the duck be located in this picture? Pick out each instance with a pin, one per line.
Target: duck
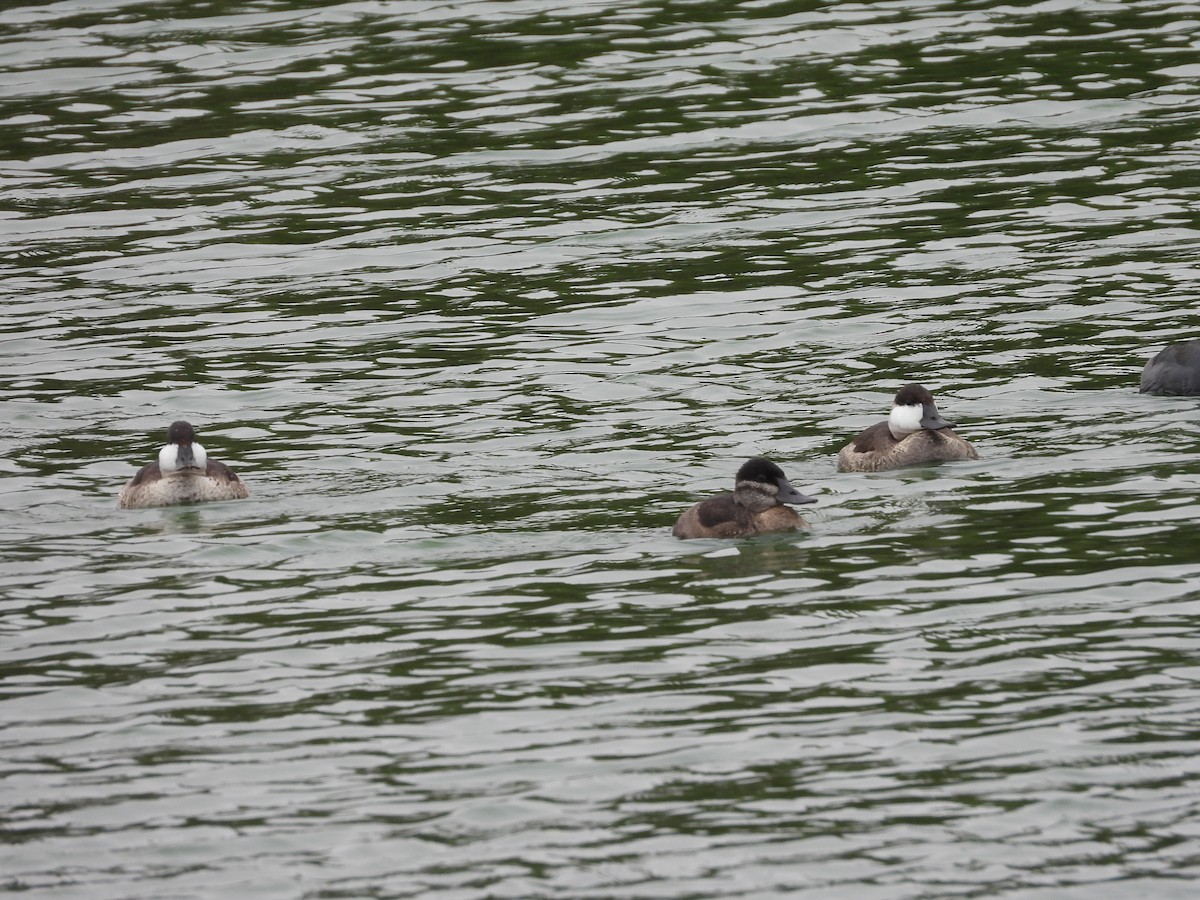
(914, 433)
(755, 506)
(1173, 371)
(183, 473)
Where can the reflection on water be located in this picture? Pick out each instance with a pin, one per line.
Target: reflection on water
(477, 298)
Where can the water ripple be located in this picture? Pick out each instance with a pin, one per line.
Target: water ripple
(477, 297)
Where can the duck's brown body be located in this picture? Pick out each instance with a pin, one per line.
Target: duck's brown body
(877, 449)
(150, 487)
(722, 517)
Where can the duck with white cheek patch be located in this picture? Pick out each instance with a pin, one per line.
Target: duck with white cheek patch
(183, 473)
(914, 434)
(756, 505)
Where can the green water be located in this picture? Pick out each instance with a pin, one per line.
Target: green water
(477, 298)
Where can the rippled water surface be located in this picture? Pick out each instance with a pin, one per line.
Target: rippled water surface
(478, 297)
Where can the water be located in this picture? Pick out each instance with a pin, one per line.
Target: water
(477, 298)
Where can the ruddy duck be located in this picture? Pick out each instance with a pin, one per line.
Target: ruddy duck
(913, 434)
(182, 474)
(756, 505)
(1175, 371)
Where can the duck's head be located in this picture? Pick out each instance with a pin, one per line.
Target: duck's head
(181, 451)
(760, 484)
(914, 409)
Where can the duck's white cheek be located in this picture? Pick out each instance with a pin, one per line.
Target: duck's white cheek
(168, 458)
(199, 455)
(906, 418)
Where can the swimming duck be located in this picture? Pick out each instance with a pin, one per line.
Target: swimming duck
(756, 505)
(183, 473)
(1175, 371)
(913, 434)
